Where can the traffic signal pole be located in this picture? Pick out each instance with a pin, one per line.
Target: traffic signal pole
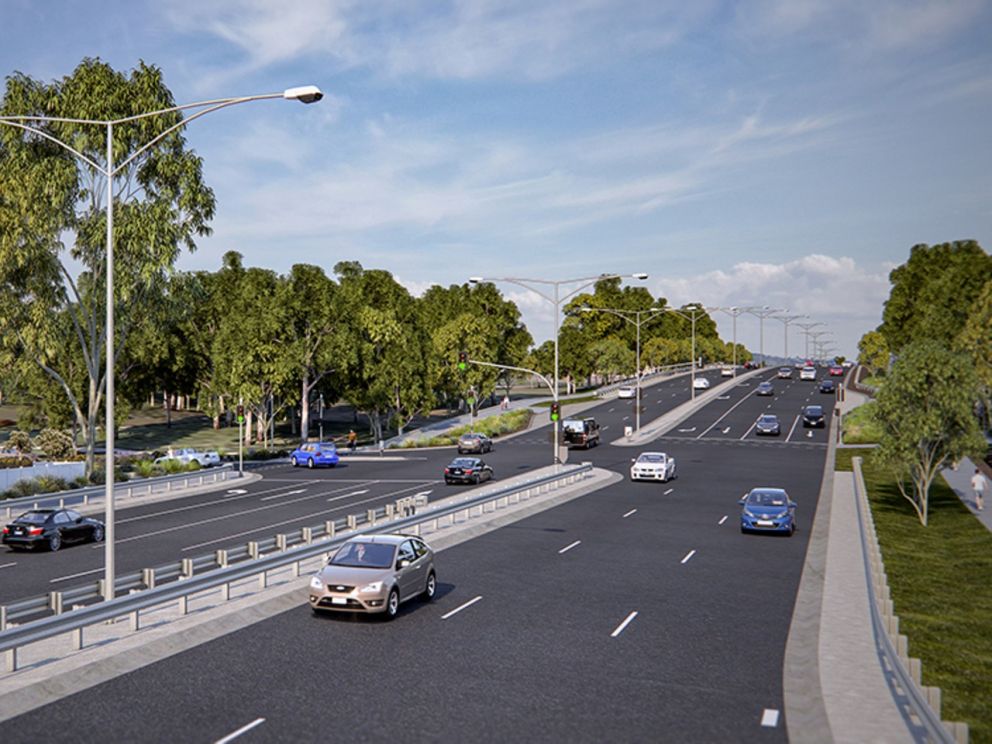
(241, 437)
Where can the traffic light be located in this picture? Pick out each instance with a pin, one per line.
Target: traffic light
(462, 360)
(555, 411)
(241, 413)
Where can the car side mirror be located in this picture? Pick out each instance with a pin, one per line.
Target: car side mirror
(402, 563)
(741, 501)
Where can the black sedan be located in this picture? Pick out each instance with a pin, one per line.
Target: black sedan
(827, 386)
(813, 417)
(767, 423)
(467, 470)
(51, 528)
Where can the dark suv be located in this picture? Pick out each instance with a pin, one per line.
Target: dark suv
(581, 432)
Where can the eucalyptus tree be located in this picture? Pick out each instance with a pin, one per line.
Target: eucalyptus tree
(161, 205)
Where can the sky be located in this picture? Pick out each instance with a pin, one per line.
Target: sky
(781, 153)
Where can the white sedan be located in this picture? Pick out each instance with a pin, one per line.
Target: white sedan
(627, 392)
(656, 466)
(701, 383)
(186, 455)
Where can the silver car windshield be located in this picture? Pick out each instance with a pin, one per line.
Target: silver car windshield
(651, 458)
(364, 555)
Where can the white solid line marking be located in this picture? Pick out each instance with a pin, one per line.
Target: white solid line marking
(75, 575)
(769, 718)
(243, 730)
(632, 511)
(459, 609)
(353, 493)
(668, 491)
(793, 428)
(8, 565)
(288, 493)
(722, 520)
(744, 436)
(707, 429)
(569, 547)
(623, 625)
(688, 556)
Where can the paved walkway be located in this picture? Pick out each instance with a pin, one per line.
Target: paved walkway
(960, 482)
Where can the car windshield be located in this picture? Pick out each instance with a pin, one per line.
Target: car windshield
(767, 498)
(327, 446)
(765, 385)
(785, 369)
(463, 462)
(573, 426)
(814, 411)
(470, 436)
(34, 517)
(769, 419)
(651, 457)
(364, 555)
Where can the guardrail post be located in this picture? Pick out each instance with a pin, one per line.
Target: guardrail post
(390, 510)
(77, 639)
(263, 579)
(148, 577)
(352, 521)
(55, 602)
(186, 566)
(329, 528)
(3, 618)
(253, 550)
(933, 698)
(11, 655)
(306, 534)
(370, 516)
(959, 730)
(225, 589)
(184, 605)
(281, 542)
(916, 670)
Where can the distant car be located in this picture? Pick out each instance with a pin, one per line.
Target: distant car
(655, 466)
(768, 423)
(768, 510)
(799, 365)
(764, 388)
(813, 417)
(785, 373)
(187, 455)
(701, 383)
(474, 442)
(847, 364)
(580, 432)
(808, 373)
(836, 370)
(315, 455)
(627, 392)
(467, 470)
(374, 574)
(827, 386)
(726, 372)
(51, 528)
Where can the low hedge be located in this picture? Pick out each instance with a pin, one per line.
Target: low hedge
(492, 426)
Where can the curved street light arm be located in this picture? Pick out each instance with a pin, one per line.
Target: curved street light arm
(534, 372)
(10, 121)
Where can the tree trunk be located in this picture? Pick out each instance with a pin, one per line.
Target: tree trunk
(90, 429)
(305, 408)
(248, 418)
(168, 410)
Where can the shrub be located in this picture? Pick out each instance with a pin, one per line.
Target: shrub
(55, 444)
(41, 484)
(19, 461)
(20, 441)
(146, 468)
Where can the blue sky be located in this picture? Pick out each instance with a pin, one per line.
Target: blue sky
(780, 152)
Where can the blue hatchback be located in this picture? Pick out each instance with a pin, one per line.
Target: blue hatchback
(768, 510)
(315, 455)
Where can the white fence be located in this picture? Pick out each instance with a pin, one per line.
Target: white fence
(67, 470)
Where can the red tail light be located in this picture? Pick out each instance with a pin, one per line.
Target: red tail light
(447, 470)
(36, 530)
(468, 471)
(6, 530)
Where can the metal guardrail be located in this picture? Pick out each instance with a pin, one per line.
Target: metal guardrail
(923, 702)
(128, 489)
(672, 369)
(13, 637)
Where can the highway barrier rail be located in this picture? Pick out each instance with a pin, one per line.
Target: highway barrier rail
(151, 588)
(920, 702)
(126, 489)
(660, 373)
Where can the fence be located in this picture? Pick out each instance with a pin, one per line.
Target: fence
(922, 703)
(253, 562)
(66, 470)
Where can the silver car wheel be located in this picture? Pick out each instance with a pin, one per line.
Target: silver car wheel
(431, 589)
(98, 534)
(393, 604)
(55, 542)
(293, 460)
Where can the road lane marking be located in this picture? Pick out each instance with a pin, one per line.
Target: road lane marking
(611, 410)
(236, 492)
(569, 547)
(8, 565)
(288, 493)
(726, 413)
(726, 430)
(605, 427)
(459, 609)
(668, 491)
(744, 436)
(625, 418)
(793, 428)
(353, 493)
(686, 431)
(632, 511)
(769, 718)
(623, 625)
(243, 730)
(76, 575)
(688, 556)
(723, 520)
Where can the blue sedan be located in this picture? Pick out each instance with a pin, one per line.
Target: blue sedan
(315, 454)
(768, 510)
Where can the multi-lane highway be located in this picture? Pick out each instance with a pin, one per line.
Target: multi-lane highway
(636, 613)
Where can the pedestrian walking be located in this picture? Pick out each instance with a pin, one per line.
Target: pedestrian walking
(352, 440)
(979, 483)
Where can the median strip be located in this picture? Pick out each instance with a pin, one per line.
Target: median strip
(459, 609)
(569, 547)
(623, 625)
(243, 730)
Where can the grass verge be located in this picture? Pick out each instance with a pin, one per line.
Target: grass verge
(493, 426)
(860, 426)
(566, 401)
(940, 581)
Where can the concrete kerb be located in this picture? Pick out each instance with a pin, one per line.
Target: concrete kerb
(170, 630)
(668, 421)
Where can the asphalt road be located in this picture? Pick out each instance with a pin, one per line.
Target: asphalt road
(289, 498)
(533, 634)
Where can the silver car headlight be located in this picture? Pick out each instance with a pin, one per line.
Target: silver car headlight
(316, 583)
(375, 586)
(783, 515)
(749, 513)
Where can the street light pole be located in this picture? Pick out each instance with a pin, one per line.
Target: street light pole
(304, 94)
(693, 311)
(762, 313)
(807, 327)
(733, 312)
(786, 319)
(556, 299)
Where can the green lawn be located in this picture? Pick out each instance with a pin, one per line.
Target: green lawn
(493, 426)
(566, 401)
(860, 425)
(941, 581)
(875, 381)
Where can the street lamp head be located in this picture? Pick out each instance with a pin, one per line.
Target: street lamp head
(303, 94)
(475, 280)
(641, 276)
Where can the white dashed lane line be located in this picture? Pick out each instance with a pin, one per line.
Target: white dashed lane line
(668, 491)
(11, 565)
(632, 511)
(688, 556)
(461, 607)
(243, 730)
(569, 547)
(75, 575)
(624, 624)
(723, 520)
